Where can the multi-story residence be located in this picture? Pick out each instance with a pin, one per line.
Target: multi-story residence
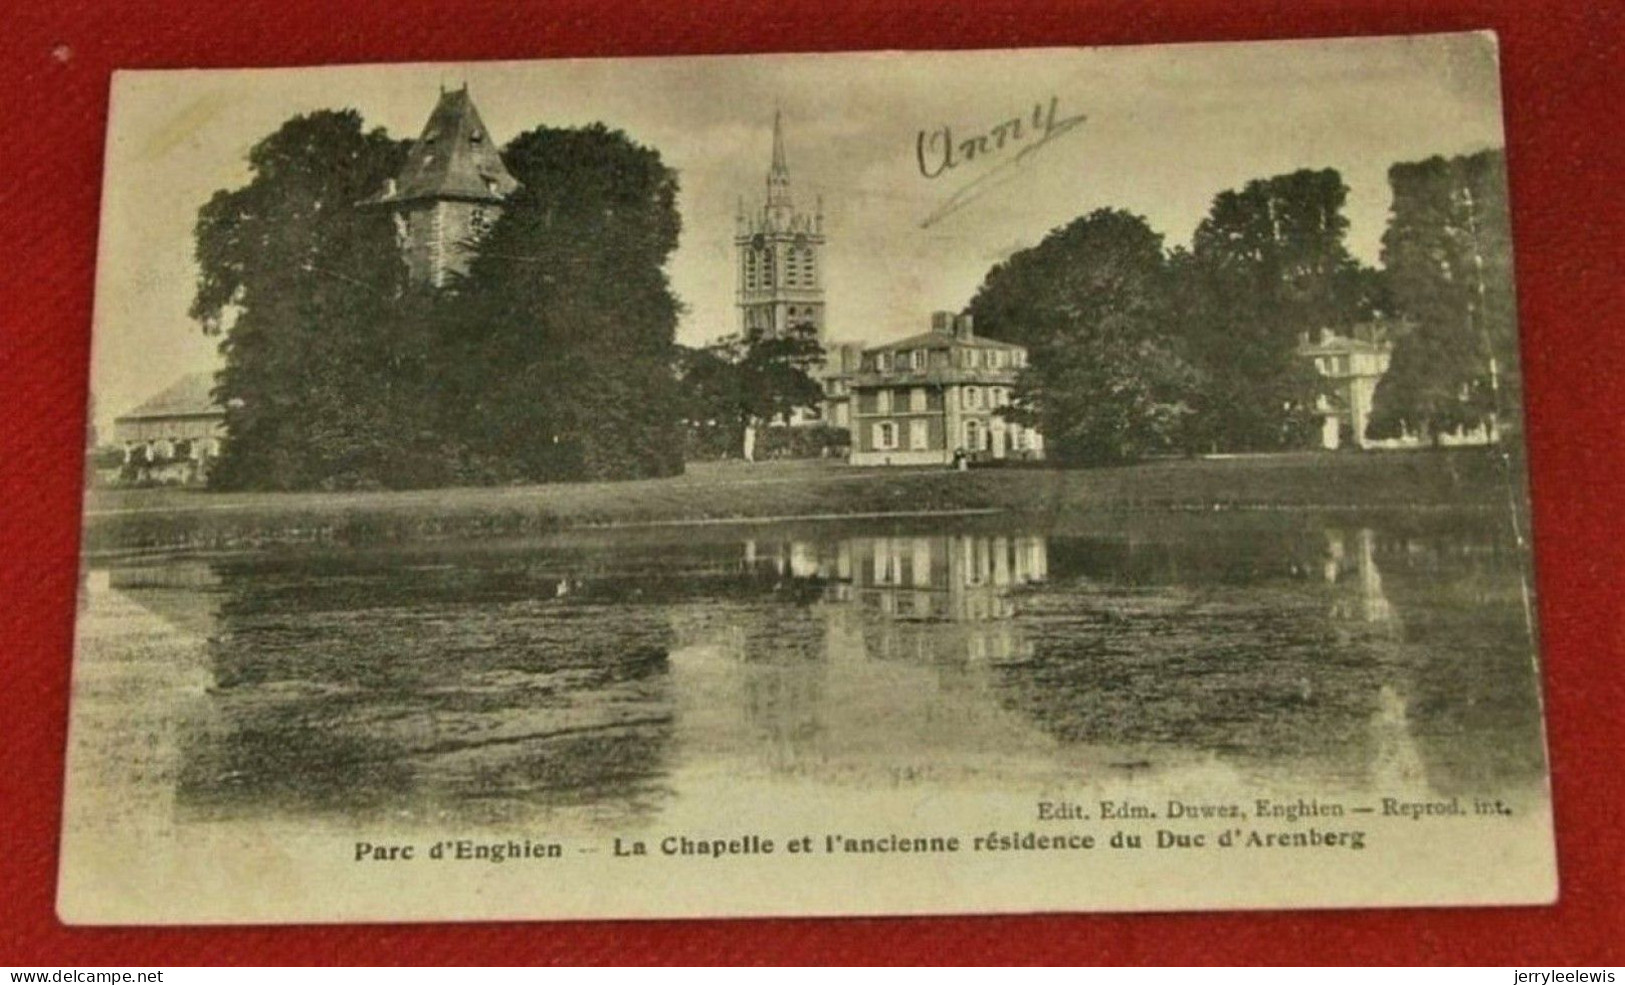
(842, 360)
(937, 396)
(1353, 364)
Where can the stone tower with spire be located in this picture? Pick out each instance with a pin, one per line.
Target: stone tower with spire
(780, 255)
(449, 192)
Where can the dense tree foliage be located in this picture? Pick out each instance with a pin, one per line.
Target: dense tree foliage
(741, 382)
(1090, 302)
(318, 384)
(552, 360)
(1267, 267)
(563, 335)
(1448, 253)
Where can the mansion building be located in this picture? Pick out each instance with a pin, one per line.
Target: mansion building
(1353, 363)
(936, 397)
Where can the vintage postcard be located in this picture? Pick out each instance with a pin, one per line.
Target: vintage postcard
(885, 483)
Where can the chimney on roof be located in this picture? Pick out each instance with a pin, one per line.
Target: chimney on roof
(942, 321)
(964, 327)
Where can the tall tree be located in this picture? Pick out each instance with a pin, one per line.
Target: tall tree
(1267, 266)
(741, 382)
(1448, 254)
(562, 336)
(304, 288)
(1103, 382)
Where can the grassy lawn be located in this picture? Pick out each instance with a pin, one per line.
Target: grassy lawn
(137, 519)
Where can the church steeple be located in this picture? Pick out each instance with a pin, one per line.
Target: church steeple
(780, 262)
(779, 202)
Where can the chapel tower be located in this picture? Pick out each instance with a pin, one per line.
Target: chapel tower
(449, 191)
(780, 255)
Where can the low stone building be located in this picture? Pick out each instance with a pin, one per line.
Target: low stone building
(174, 436)
(931, 398)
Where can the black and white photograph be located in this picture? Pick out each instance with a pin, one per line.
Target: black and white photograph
(878, 483)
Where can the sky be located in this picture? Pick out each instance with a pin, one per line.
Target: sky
(1165, 129)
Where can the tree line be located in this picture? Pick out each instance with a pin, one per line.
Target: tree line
(555, 358)
(551, 360)
(1137, 349)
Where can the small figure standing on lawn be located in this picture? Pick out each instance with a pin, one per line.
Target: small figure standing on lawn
(961, 460)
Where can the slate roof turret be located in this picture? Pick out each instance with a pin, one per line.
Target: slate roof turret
(455, 158)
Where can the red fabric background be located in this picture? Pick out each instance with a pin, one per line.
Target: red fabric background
(1562, 74)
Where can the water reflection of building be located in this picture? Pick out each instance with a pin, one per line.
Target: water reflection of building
(1351, 566)
(936, 597)
(884, 675)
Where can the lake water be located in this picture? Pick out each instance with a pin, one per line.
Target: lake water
(615, 681)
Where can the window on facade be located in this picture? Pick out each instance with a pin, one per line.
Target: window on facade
(883, 362)
(885, 435)
(883, 401)
(916, 400)
(479, 221)
(973, 397)
(917, 358)
(918, 434)
(973, 436)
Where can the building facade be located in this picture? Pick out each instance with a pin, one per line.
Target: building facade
(449, 191)
(936, 397)
(1353, 363)
(175, 435)
(842, 360)
(779, 251)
